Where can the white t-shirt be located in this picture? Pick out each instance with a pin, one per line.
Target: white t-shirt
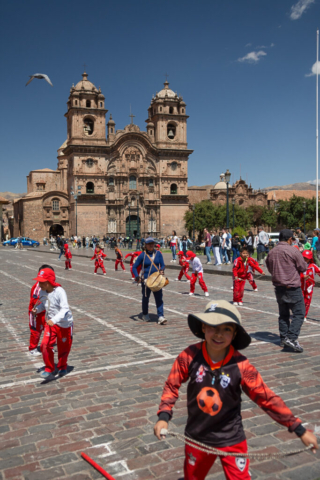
(174, 240)
(196, 265)
(57, 307)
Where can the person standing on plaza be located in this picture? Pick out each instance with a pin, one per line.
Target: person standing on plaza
(151, 261)
(285, 263)
(249, 241)
(301, 236)
(98, 256)
(235, 247)
(262, 245)
(207, 240)
(197, 273)
(315, 246)
(119, 259)
(216, 248)
(173, 245)
(68, 256)
(308, 280)
(59, 323)
(224, 247)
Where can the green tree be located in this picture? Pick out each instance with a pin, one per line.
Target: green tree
(290, 212)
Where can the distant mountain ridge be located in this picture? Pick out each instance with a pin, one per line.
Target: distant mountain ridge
(11, 195)
(293, 186)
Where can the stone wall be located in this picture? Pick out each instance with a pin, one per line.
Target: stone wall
(197, 194)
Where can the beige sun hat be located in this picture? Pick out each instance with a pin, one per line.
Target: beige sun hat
(216, 313)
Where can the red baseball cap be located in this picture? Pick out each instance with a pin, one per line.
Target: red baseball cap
(180, 253)
(47, 275)
(191, 254)
(307, 254)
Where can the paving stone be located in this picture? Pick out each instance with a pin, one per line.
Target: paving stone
(117, 407)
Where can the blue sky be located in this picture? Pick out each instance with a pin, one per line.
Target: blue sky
(241, 67)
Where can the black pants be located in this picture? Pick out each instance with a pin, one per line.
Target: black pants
(290, 299)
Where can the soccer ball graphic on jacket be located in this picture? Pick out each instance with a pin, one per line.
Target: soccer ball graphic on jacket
(209, 401)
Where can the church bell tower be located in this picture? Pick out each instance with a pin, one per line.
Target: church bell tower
(86, 113)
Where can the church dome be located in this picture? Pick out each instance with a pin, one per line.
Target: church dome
(85, 85)
(222, 184)
(166, 92)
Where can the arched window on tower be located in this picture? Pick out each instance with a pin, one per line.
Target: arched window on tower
(171, 131)
(76, 102)
(171, 110)
(101, 104)
(182, 110)
(88, 126)
(88, 103)
(111, 182)
(173, 189)
(90, 187)
(132, 182)
(55, 205)
(151, 184)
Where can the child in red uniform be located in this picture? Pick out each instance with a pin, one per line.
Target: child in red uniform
(119, 259)
(98, 256)
(185, 267)
(308, 280)
(36, 322)
(217, 374)
(240, 274)
(59, 323)
(68, 256)
(197, 272)
(158, 247)
(134, 256)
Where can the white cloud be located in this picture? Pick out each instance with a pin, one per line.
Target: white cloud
(248, 44)
(299, 8)
(314, 70)
(272, 45)
(252, 57)
(313, 182)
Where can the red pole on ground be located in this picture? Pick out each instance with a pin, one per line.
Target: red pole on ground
(97, 467)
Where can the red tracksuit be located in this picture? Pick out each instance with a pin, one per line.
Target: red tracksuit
(133, 256)
(307, 285)
(241, 271)
(119, 260)
(98, 257)
(68, 256)
(36, 322)
(185, 267)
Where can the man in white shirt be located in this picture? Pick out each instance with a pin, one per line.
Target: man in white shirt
(262, 245)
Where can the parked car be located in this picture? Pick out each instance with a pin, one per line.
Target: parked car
(274, 236)
(26, 242)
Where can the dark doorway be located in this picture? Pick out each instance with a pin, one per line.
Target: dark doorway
(132, 226)
(56, 229)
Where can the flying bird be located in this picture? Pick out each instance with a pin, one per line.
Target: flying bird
(40, 76)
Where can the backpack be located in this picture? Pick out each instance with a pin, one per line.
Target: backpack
(317, 245)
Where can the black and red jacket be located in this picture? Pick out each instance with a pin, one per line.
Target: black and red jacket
(119, 254)
(214, 396)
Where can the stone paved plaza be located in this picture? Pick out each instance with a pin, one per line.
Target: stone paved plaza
(106, 406)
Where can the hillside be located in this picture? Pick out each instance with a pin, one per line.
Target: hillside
(293, 186)
(11, 195)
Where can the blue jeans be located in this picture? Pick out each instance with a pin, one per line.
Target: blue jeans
(224, 254)
(207, 252)
(173, 250)
(235, 254)
(146, 292)
(61, 253)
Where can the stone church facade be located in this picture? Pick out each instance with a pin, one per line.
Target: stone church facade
(108, 181)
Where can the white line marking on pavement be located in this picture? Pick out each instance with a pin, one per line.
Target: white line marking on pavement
(99, 320)
(84, 372)
(15, 335)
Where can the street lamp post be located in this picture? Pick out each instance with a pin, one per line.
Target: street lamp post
(227, 177)
(193, 239)
(304, 216)
(151, 223)
(233, 204)
(138, 226)
(129, 223)
(75, 196)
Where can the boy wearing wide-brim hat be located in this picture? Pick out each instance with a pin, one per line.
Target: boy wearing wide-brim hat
(217, 372)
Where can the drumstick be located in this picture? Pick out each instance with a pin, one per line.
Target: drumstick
(97, 467)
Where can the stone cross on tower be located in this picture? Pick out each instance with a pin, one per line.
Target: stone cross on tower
(131, 116)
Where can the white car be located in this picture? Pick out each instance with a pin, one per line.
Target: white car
(274, 236)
